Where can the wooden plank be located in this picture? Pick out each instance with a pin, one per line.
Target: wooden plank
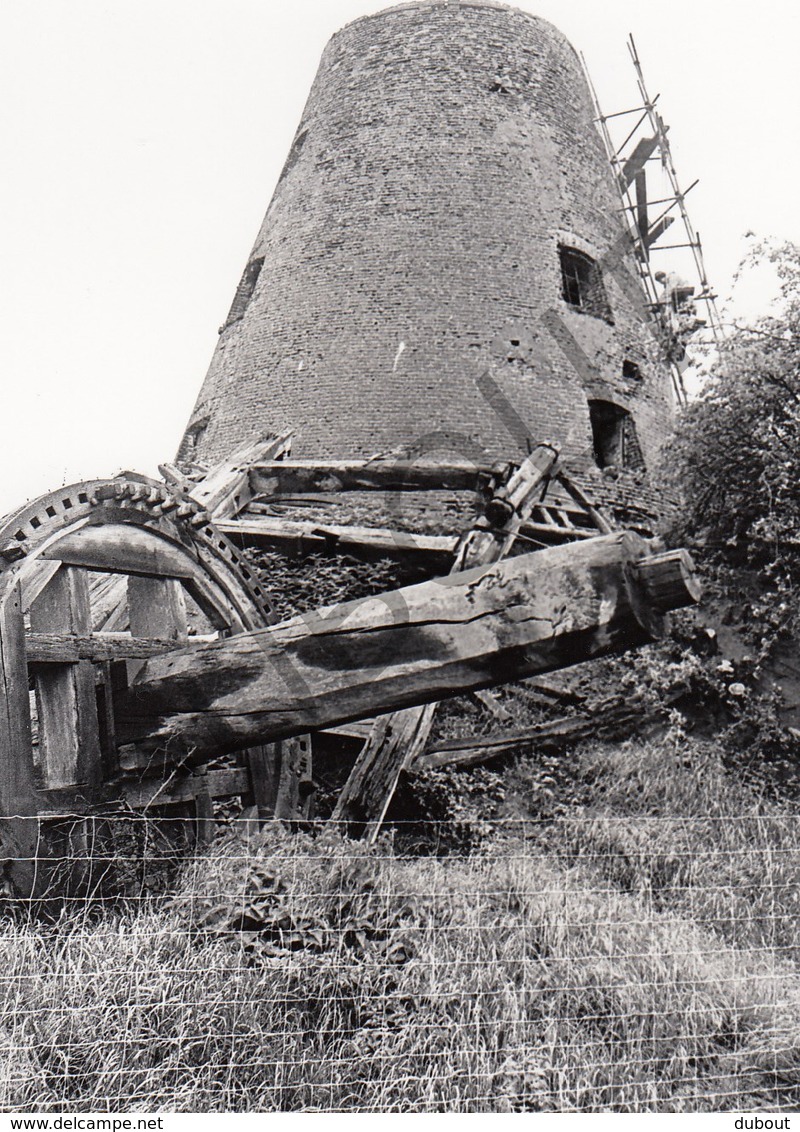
(550, 735)
(264, 763)
(18, 836)
(295, 785)
(486, 626)
(37, 575)
(69, 742)
(395, 740)
(306, 537)
(291, 477)
(156, 606)
(203, 812)
(470, 751)
(68, 648)
(638, 159)
(154, 792)
(226, 488)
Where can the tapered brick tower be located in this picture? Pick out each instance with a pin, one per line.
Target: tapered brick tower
(443, 263)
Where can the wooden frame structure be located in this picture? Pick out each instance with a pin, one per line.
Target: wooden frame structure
(99, 580)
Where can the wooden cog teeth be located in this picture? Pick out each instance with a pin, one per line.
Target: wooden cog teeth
(12, 552)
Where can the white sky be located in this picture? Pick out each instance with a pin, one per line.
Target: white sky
(142, 140)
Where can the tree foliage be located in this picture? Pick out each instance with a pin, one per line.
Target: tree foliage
(736, 458)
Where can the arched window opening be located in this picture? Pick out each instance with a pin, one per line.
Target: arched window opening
(582, 283)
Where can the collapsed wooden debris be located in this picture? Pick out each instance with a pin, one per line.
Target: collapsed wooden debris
(621, 715)
(152, 649)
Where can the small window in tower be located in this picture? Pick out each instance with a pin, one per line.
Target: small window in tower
(631, 371)
(614, 436)
(582, 283)
(244, 292)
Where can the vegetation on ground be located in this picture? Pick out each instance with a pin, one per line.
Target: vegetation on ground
(639, 952)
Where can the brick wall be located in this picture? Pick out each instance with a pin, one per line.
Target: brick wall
(410, 290)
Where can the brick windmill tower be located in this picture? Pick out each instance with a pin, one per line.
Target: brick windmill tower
(443, 264)
(442, 275)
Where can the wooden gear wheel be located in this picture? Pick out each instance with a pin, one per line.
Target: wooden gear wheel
(95, 578)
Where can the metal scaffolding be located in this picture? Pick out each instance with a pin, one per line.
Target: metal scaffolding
(644, 143)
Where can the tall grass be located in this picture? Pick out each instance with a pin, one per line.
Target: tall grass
(640, 954)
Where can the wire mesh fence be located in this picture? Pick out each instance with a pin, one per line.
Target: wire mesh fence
(583, 964)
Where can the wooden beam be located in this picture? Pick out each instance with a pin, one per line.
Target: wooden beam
(69, 750)
(121, 548)
(549, 735)
(69, 648)
(486, 626)
(290, 477)
(19, 829)
(395, 741)
(658, 229)
(399, 738)
(16, 759)
(295, 785)
(644, 150)
(227, 487)
(156, 606)
(158, 792)
(306, 537)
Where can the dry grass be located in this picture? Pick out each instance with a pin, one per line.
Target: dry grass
(638, 955)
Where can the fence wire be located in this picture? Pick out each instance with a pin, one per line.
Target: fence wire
(584, 964)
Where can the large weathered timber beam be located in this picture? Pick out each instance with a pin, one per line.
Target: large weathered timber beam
(288, 477)
(485, 626)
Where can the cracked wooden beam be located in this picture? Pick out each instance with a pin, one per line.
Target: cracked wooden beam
(486, 626)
